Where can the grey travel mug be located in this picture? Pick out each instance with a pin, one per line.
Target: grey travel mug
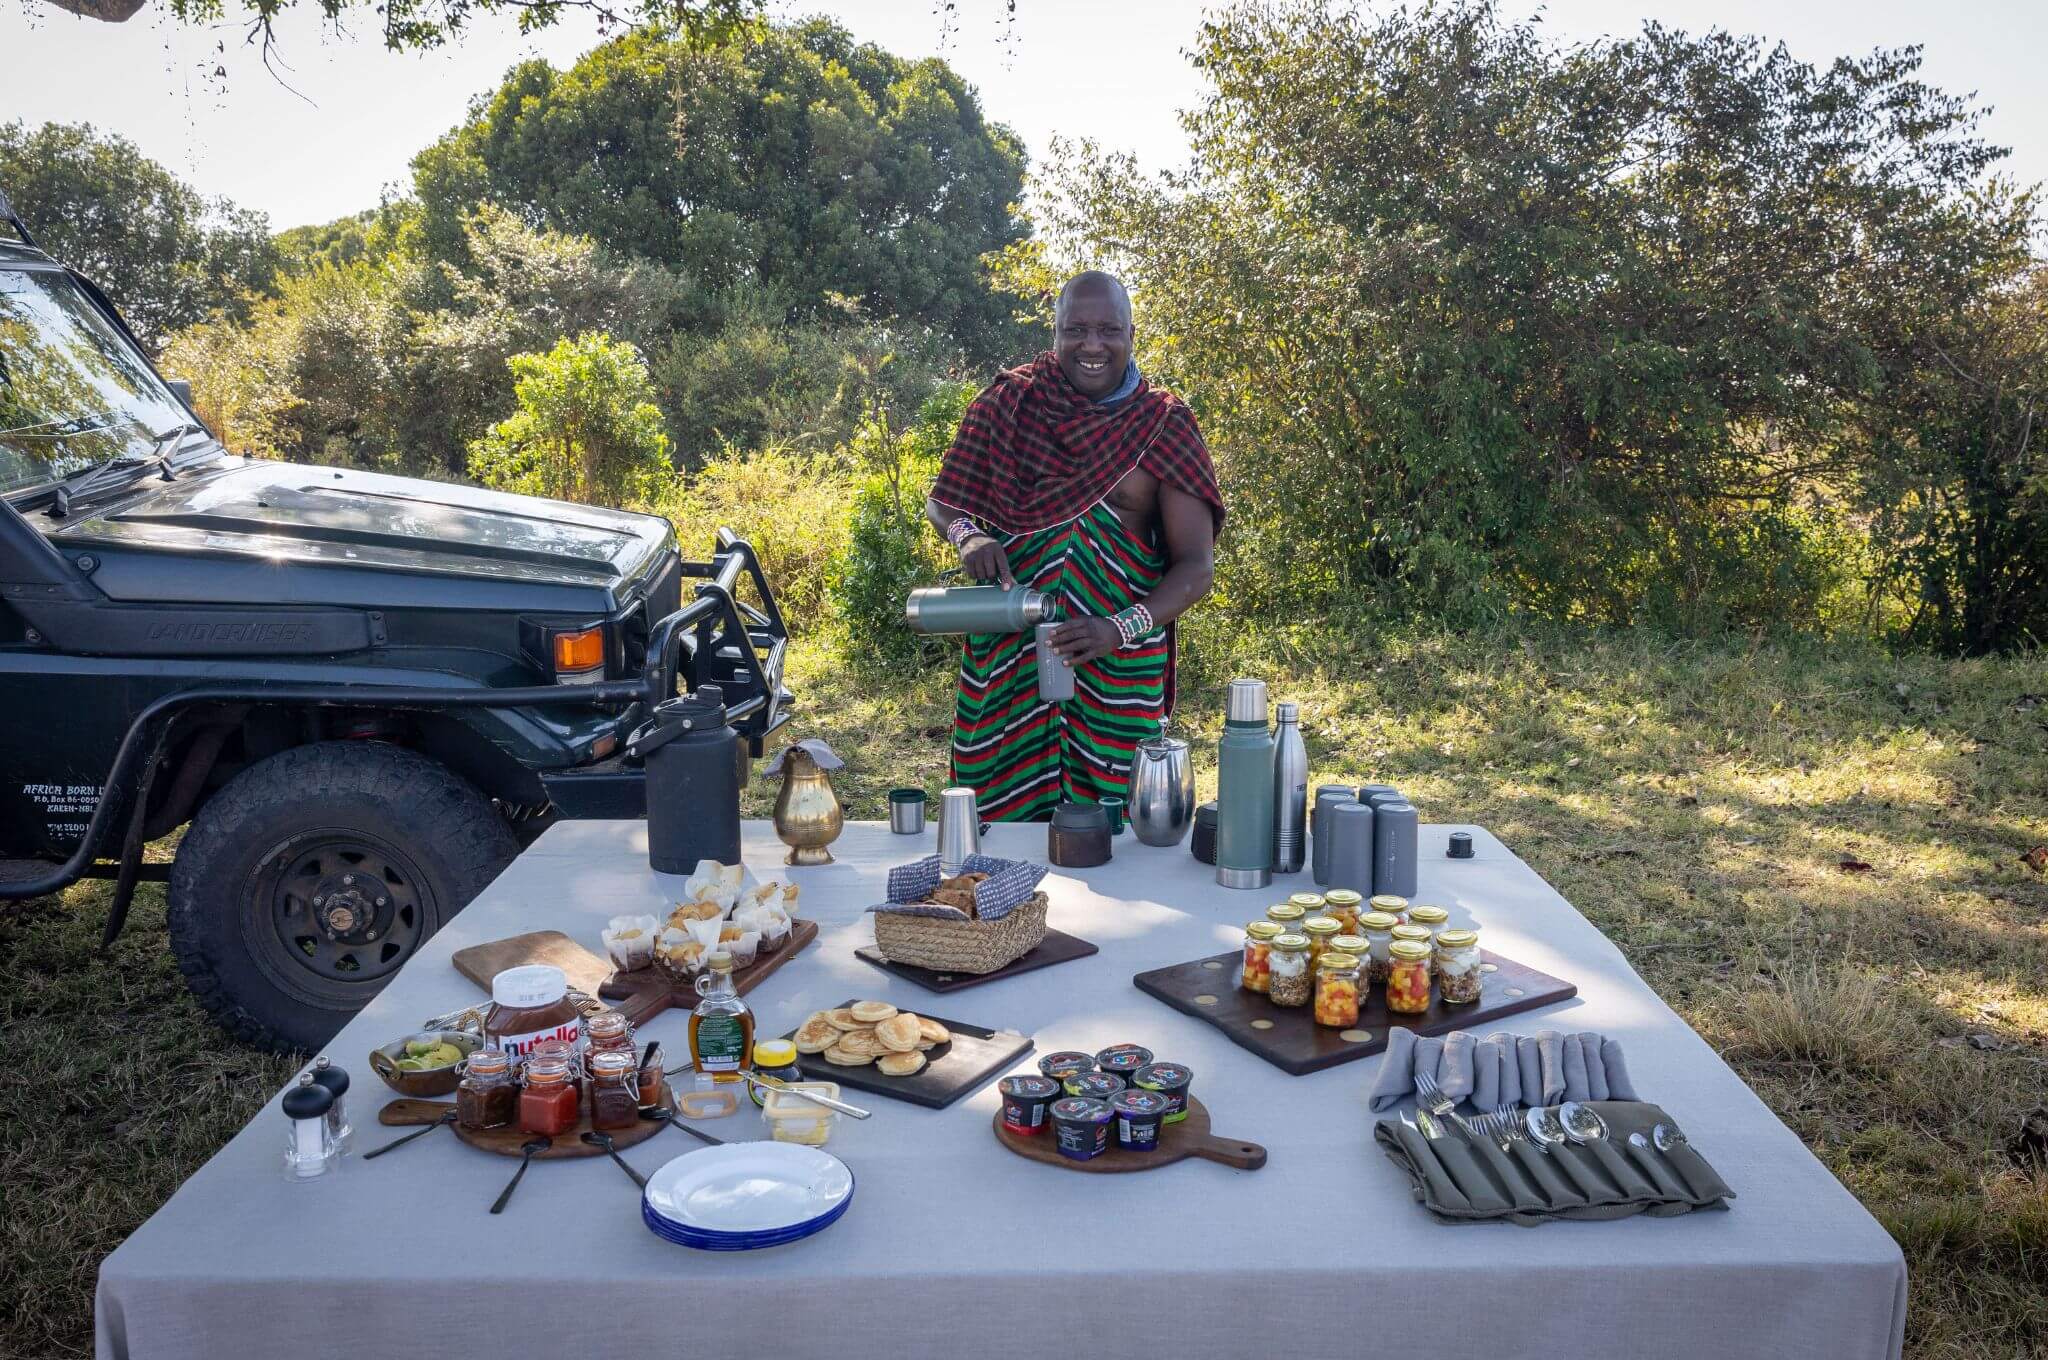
(1380, 797)
(906, 811)
(1394, 853)
(1055, 676)
(1318, 838)
(1350, 830)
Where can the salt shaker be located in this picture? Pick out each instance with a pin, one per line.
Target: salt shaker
(335, 1080)
(310, 1152)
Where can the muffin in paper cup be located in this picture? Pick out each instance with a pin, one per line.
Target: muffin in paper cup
(629, 941)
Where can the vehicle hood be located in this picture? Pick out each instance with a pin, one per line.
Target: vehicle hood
(284, 514)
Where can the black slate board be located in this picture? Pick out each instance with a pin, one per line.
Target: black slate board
(964, 1063)
(1056, 947)
(1293, 1042)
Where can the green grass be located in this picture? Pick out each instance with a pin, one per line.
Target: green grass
(1696, 801)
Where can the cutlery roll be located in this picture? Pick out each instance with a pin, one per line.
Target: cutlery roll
(1462, 1179)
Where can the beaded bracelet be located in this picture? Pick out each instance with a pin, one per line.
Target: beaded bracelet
(1133, 623)
(962, 529)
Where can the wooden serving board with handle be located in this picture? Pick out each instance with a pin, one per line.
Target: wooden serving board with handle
(510, 1142)
(640, 994)
(1177, 1142)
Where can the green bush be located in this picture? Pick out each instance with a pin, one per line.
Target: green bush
(586, 428)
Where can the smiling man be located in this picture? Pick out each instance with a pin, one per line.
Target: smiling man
(1075, 476)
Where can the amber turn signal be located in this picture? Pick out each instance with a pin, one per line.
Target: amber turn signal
(579, 651)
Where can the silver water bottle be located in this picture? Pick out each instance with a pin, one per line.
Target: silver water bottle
(1290, 792)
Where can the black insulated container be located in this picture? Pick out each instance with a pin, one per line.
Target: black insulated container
(693, 782)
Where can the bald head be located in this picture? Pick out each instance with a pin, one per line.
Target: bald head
(1092, 333)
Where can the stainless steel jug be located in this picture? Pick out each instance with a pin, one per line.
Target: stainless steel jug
(1162, 798)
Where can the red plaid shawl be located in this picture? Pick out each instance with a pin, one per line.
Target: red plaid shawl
(1033, 453)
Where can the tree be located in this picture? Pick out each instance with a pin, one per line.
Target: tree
(586, 429)
(167, 256)
(1480, 322)
(790, 159)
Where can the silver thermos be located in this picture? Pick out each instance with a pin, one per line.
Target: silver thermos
(1290, 792)
(976, 609)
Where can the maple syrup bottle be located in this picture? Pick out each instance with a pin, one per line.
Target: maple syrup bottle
(721, 1028)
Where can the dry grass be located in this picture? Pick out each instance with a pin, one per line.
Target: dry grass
(1695, 800)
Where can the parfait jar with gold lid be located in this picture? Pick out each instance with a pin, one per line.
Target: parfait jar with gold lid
(1421, 934)
(1392, 904)
(1378, 929)
(1456, 967)
(1320, 931)
(1286, 915)
(1337, 989)
(1289, 983)
(1344, 905)
(1423, 914)
(1311, 903)
(1258, 948)
(1408, 980)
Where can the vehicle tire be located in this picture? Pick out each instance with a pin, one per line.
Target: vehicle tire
(311, 876)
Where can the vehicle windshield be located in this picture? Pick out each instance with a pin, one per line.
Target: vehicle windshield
(73, 390)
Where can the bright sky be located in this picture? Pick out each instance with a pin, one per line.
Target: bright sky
(1113, 70)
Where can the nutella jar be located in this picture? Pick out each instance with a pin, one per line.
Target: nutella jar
(530, 1005)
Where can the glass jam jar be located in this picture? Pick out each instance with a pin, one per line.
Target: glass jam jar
(1320, 931)
(1258, 948)
(1337, 989)
(1392, 904)
(1345, 907)
(488, 1097)
(1422, 914)
(1289, 983)
(1378, 929)
(1287, 915)
(1408, 991)
(1456, 967)
(548, 1105)
(608, 1031)
(614, 1090)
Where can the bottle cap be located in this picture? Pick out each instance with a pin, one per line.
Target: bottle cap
(529, 985)
(1461, 845)
(1247, 701)
(721, 962)
(328, 1075)
(1287, 712)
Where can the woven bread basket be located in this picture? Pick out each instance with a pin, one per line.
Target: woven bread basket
(948, 945)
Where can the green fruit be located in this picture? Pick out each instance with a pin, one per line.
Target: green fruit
(416, 1048)
(412, 1064)
(444, 1055)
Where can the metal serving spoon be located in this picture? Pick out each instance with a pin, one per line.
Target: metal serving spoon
(1583, 1124)
(529, 1147)
(604, 1140)
(1655, 1167)
(1544, 1127)
(404, 1138)
(664, 1115)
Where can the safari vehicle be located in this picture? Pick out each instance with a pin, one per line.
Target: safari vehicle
(363, 693)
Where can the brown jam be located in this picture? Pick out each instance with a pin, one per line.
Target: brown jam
(614, 1091)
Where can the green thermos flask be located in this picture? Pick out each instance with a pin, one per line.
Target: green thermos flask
(1244, 797)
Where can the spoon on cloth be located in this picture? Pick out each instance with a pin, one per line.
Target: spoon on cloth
(1544, 1128)
(529, 1147)
(604, 1140)
(402, 1139)
(1583, 1124)
(1654, 1167)
(667, 1116)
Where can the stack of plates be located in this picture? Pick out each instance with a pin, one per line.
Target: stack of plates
(744, 1196)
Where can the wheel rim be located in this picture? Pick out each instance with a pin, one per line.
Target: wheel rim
(337, 911)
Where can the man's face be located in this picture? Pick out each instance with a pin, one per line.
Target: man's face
(1093, 343)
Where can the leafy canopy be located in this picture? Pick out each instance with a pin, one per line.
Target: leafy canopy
(586, 429)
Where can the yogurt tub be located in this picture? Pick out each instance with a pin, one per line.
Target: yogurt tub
(1139, 1116)
(1171, 1080)
(1123, 1060)
(1026, 1100)
(1093, 1085)
(792, 1119)
(1060, 1066)
(1080, 1127)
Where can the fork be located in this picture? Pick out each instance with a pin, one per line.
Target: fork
(1432, 1098)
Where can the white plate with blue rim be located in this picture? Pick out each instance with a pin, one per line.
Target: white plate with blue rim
(748, 1191)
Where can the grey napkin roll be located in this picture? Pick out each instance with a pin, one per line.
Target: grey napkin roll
(1454, 1065)
(1502, 1069)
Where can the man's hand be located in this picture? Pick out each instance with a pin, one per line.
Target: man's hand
(984, 560)
(1085, 639)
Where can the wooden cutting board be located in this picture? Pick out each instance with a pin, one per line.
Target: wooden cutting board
(510, 1142)
(965, 1063)
(639, 995)
(1177, 1142)
(1290, 1039)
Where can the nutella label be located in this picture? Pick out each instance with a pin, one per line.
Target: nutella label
(519, 1045)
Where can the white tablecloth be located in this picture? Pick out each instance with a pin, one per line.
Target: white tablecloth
(953, 1244)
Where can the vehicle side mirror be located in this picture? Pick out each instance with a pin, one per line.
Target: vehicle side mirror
(181, 388)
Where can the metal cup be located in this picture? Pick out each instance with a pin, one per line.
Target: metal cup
(959, 829)
(906, 811)
(1349, 827)
(1055, 675)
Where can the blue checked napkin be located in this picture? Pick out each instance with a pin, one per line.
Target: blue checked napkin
(1009, 885)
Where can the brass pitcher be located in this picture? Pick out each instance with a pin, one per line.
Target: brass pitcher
(807, 813)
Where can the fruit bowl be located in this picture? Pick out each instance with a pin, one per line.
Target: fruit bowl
(433, 1081)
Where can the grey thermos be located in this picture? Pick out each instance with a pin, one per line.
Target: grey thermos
(693, 781)
(1055, 674)
(1319, 835)
(1393, 849)
(1244, 790)
(1290, 792)
(975, 609)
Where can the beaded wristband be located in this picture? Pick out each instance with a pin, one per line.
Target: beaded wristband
(960, 530)
(1133, 623)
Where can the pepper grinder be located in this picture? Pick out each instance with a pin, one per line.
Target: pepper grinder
(310, 1153)
(327, 1075)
